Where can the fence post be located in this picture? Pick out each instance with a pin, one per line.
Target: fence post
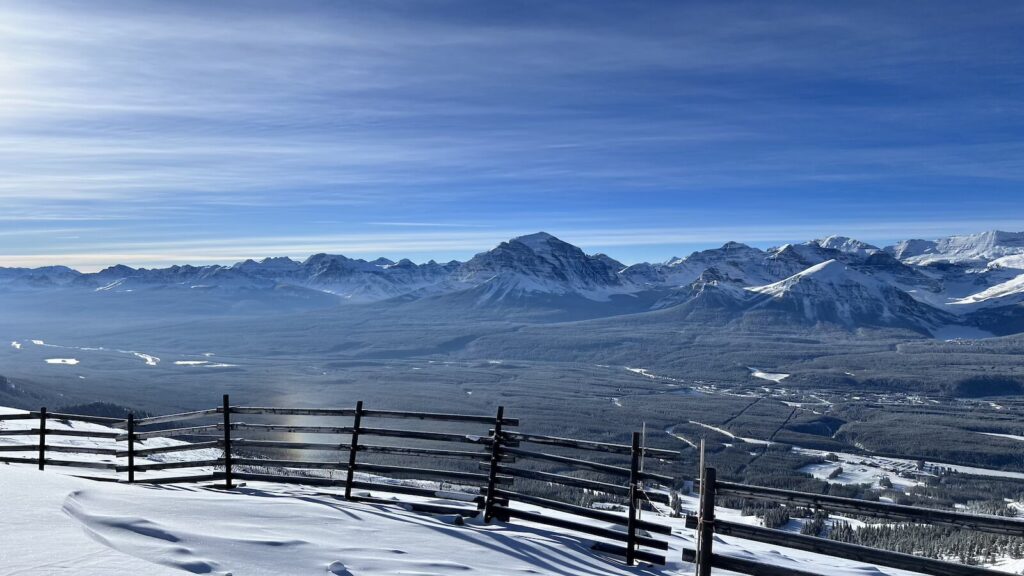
(42, 437)
(634, 487)
(706, 523)
(131, 448)
(356, 422)
(227, 444)
(492, 473)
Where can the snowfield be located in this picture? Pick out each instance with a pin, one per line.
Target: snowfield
(772, 376)
(55, 523)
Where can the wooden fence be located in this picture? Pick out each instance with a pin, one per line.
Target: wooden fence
(485, 460)
(707, 526)
(46, 434)
(482, 464)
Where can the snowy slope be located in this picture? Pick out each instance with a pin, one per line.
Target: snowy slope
(848, 245)
(1005, 294)
(542, 264)
(733, 260)
(973, 248)
(834, 292)
(57, 523)
(62, 524)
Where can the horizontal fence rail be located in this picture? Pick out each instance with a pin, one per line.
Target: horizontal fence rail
(182, 417)
(707, 525)
(882, 510)
(589, 445)
(844, 550)
(744, 566)
(484, 467)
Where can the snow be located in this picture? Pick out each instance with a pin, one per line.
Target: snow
(982, 247)
(59, 523)
(848, 245)
(1010, 436)
(830, 273)
(856, 473)
(70, 361)
(887, 465)
(1015, 262)
(649, 374)
(671, 431)
(772, 376)
(1009, 292)
(147, 358)
(63, 524)
(725, 432)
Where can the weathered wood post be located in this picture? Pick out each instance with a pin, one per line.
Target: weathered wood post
(227, 444)
(492, 473)
(634, 495)
(356, 423)
(42, 437)
(131, 448)
(706, 523)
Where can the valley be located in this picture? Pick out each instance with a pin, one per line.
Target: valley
(840, 364)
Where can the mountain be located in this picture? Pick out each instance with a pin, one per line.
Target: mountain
(978, 249)
(1007, 293)
(733, 260)
(837, 293)
(971, 280)
(847, 245)
(542, 264)
(33, 278)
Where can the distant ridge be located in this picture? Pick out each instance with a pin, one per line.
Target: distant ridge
(971, 280)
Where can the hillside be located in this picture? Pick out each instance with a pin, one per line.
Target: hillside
(57, 521)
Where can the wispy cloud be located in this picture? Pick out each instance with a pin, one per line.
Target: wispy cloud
(657, 243)
(227, 120)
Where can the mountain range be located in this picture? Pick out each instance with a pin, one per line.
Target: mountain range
(972, 283)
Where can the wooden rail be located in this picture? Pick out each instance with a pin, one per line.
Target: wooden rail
(744, 566)
(61, 416)
(844, 550)
(491, 489)
(583, 511)
(181, 417)
(370, 414)
(978, 522)
(585, 464)
(708, 526)
(590, 445)
(47, 431)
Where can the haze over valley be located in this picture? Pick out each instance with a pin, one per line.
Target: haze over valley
(813, 330)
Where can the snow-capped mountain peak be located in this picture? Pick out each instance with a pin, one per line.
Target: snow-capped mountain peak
(833, 291)
(979, 249)
(847, 245)
(538, 242)
(541, 263)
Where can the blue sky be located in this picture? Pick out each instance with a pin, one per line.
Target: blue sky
(159, 133)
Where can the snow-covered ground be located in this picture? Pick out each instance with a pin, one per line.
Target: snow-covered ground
(56, 523)
(725, 432)
(877, 466)
(856, 473)
(772, 376)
